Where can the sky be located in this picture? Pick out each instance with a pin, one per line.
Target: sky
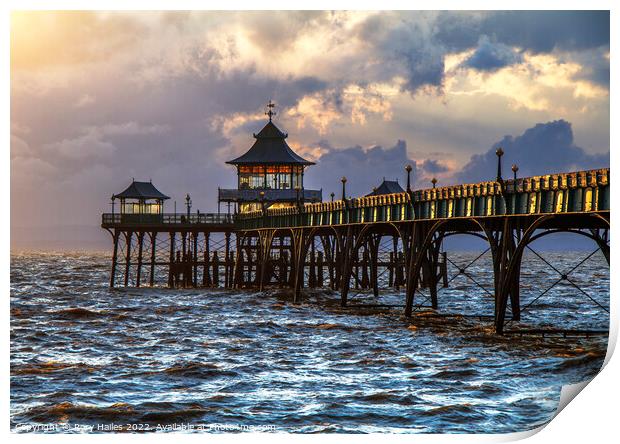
(99, 98)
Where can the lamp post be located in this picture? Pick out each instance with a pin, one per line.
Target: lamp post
(515, 168)
(332, 195)
(499, 152)
(188, 204)
(434, 182)
(408, 168)
(344, 181)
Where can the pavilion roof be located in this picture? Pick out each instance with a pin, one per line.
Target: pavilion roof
(270, 148)
(141, 190)
(387, 187)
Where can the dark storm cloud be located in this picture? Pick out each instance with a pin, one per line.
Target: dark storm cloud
(491, 56)
(542, 149)
(544, 31)
(594, 64)
(409, 42)
(420, 48)
(365, 169)
(536, 31)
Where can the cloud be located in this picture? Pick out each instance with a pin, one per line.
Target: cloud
(84, 100)
(490, 56)
(351, 102)
(364, 168)
(434, 166)
(543, 149)
(60, 38)
(539, 82)
(545, 31)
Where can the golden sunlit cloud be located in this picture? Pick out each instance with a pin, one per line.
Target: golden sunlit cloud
(533, 84)
(354, 103)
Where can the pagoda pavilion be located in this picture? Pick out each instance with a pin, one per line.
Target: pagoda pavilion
(270, 173)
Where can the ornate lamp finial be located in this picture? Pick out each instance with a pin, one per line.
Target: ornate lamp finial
(270, 112)
(332, 195)
(515, 168)
(434, 182)
(408, 168)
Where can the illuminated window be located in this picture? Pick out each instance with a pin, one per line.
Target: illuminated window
(559, 204)
(588, 203)
(532, 203)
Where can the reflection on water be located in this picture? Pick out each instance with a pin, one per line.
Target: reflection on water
(84, 354)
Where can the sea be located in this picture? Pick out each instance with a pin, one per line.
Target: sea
(89, 359)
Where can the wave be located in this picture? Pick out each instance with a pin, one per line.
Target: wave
(199, 370)
(79, 313)
(42, 368)
(150, 412)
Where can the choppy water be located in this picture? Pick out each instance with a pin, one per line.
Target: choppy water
(82, 354)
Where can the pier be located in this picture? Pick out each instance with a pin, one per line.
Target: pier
(283, 236)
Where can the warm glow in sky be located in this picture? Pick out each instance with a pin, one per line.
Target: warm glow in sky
(99, 98)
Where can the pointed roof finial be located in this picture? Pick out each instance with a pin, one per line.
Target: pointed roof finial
(270, 112)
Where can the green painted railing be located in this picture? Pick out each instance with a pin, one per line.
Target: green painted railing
(114, 219)
(581, 191)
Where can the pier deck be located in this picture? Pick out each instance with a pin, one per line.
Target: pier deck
(341, 244)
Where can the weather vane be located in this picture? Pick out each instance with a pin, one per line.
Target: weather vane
(270, 112)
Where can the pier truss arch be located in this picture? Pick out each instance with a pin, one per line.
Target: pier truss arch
(595, 227)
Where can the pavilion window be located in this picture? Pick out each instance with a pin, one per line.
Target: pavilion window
(251, 177)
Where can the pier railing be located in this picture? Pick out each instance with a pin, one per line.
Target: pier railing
(273, 195)
(111, 219)
(575, 192)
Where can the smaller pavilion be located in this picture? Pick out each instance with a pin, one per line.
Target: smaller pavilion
(387, 187)
(141, 200)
